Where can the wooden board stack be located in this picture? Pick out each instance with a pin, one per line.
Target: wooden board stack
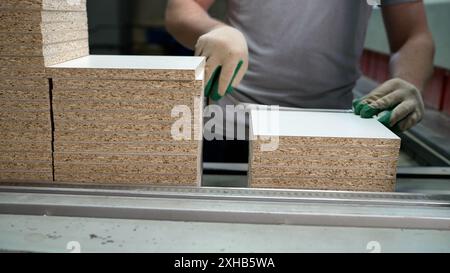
(33, 33)
(322, 151)
(113, 120)
(37, 33)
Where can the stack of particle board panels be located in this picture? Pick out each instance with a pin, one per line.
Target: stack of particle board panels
(116, 120)
(33, 33)
(321, 151)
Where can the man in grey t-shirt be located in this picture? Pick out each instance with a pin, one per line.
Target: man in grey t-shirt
(305, 53)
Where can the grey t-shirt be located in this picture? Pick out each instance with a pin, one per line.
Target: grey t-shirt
(303, 53)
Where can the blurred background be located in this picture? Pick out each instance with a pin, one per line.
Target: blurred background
(136, 27)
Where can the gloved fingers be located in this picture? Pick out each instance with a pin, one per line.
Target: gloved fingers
(212, 63)
(212, 87)
(385, 118)
(357, 106)
(389, 101)
(199, 48)
(226, 76)
(409, 121)
(211, 75)
(400, 112)
(368, 111)
(240, 73)
(379, 92)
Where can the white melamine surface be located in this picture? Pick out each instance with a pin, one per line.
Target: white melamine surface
(316, 124)
(134, 62)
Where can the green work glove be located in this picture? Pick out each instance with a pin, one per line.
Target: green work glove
(212, 88)
(226, 52)
(398, 104)
(364, 110)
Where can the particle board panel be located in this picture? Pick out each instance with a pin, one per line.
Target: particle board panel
(92, 136)
(174, 96)
(319, 183)
(113, 119)
(26, 136)
(336, 152)
(25, 125)
(36, 94)
(322, 150)
(37, 64)
(127, 179)
(323, 171)
(40, 39)
(179, 147)
(22, 63)
(334, 141)
(40, 16)
(21, 156)
(123, 168)
(317, 124)
(25, 105)
(62, 106)
(268, 162)
(69, 5)
(26, 27)
(9, 177)
(65, 56)
(132, 67)
(7, 83)
(117, 158)
(44, 50)
(17, 166)
(28, 116)
(154, 127)
(25, 146)
(83, 84)
(113, 115)
(22, 72)
(47, 28)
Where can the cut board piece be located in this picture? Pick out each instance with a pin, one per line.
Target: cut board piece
(27, 27)
(43, 38)
(30, 156)
(34, 16)
(66, 5)
(24, 146)
(186, 147)
(45, 50)
(132, 67)
(181, 95)
(113, 120)
(321, 150)
(25, 105)
(25, 177)
(119, 158)
(125, 85)
(123, 168)
(112, 137)
(35, 94)
(321, 183)
(26, 166)
(135, 116)
(33, 34)
(127, 179)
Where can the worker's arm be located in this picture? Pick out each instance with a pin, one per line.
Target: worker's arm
(223, 46)
(411, 64)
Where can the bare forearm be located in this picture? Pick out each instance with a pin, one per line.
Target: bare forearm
(413, 62)
(187, 21)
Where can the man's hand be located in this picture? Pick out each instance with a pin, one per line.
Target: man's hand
(226, 52)
(400, 96)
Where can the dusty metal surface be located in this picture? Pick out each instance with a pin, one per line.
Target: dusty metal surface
(73, 234)
(228, 205)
